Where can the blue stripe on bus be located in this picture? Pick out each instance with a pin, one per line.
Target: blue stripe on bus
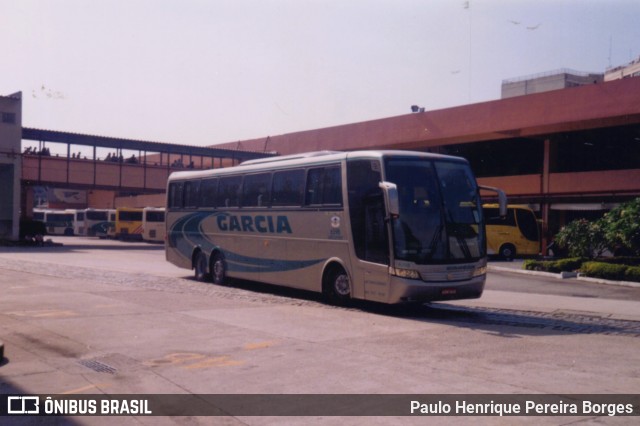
(240, 263)
(187, 233)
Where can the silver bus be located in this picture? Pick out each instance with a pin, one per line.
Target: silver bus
(385, 226)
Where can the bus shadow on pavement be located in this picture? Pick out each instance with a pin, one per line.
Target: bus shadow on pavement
(503, 322)
(512, 323)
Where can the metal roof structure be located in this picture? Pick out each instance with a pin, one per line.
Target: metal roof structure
(137, 145)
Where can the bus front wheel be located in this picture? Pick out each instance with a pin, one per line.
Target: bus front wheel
(200, 266)
(218, 269)
(337, 287)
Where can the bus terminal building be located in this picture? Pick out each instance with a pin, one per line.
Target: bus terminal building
(567, 153)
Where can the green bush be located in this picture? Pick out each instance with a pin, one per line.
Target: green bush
(606, 271)
(632, 274)
(557, 266)
(609, 269)
(621, 260)
(531, 265)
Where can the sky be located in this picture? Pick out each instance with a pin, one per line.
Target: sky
(204, 72)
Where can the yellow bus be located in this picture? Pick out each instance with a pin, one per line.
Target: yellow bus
(385, 226)
(128, 223)
(153, 224)
(516, 234)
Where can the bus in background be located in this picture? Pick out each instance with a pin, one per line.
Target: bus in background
(153, 224)
(59, 222)
(516, 234)
(96, 222)
(385, 226)
(78, 221)
(129, 223)
(111, 225)
(38, 214)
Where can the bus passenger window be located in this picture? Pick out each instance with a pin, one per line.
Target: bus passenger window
(288, 188)
(208, 192)
(332, 186)
(175, 195)
(192, 193)
(229, 191)
(324, 186)
(255, 190)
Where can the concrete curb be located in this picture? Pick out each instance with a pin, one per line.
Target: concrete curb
(564, 275)
(609, 282)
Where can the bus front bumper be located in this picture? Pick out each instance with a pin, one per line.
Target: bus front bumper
(404, 290)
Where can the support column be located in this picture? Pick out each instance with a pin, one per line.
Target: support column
(544, 192)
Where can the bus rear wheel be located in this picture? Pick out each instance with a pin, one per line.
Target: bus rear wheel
(337, 286)
(218, 269)
(200, 267)
(508, 252)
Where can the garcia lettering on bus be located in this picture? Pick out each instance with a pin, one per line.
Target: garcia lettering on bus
(259, 223)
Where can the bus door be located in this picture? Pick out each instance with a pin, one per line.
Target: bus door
(376, 255)
(370, 235)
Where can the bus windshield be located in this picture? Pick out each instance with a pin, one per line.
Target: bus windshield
(440, 211)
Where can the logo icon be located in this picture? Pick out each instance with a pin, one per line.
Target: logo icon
(23, 405)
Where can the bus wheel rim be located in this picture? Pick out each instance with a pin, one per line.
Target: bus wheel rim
(341, 285)
(218, 270)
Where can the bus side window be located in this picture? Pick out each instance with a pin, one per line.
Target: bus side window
(492, 217)
(288, 188)
(332, 186)
(208, 189)
(324, 186)
(528, 224)
(256, 190)
(175, 195)
(191, 193)
(228, 194)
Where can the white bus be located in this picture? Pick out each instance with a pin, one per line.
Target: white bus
(153, 224)
(96, 222)
(59, 222)
(111, 225)
(38, 214)
(386, 226)
(78, 221)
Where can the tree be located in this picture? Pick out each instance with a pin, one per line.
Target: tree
(622, 227)
(582, 238)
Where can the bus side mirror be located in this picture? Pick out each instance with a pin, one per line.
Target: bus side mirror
(390, 191)
(502, 198)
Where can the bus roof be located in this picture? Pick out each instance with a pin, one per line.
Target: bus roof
(305, 159)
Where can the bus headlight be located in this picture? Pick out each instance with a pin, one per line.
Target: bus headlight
(411, 274)
(477, 272)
